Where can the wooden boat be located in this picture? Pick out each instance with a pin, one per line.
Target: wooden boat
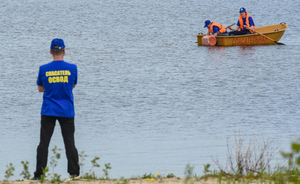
(274, 32)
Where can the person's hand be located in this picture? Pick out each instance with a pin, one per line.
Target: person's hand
(41, 88)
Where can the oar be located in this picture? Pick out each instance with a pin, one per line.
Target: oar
(264, 36)
(229, 26)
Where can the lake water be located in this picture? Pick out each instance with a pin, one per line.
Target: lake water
(148, 99)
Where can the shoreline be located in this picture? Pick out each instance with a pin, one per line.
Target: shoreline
(121, 181)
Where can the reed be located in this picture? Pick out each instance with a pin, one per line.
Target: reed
(251, 164)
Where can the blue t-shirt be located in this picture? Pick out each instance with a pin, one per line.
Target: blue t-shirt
(251, 22)
(216, 29)
(58, 79)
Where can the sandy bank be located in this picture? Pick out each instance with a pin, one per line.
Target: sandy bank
(129, 181)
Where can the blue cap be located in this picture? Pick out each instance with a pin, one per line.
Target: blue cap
(206, 23)
(57, 42)
(242, 9)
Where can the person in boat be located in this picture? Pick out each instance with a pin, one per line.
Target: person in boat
(215, 28)
(244, 20)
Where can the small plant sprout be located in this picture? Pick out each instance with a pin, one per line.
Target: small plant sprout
(293, 157)
(123, 180)
(188, 174)
(149, 176)
(206, 170)
(94, 162)
(53, 163)
(107, 167)
(82, 157)
(91, 174)
(25, 172)
(158, 176)
(9, 171)
(43, 176)
(170, 175)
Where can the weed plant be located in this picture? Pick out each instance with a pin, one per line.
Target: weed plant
(149, 176)
(91, 174)
(122, 181)
(9, 171)
(44, 176)
(170, 175)
(107, 167)
(25, 172)
(53, 164)
(82, 157)
(188, 172)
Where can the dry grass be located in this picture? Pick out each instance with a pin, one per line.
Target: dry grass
(251, 157)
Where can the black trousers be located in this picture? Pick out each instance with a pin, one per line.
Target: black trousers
(67, 130)
(222, 34)
(243, 32)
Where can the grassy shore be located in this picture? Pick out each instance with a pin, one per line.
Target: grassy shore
(247, 164)
(135, 181)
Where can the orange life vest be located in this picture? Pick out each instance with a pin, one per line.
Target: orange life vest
(247, 22)
(221, 28)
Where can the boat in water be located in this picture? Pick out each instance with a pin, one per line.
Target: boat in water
(269, 35)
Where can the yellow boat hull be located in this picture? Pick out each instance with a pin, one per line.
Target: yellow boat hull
(274, 32)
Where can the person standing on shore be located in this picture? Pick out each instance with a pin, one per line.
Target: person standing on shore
(57, 80)
(244, 20)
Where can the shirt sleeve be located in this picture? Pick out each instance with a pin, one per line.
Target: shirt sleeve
(251, 22)
(216, 29)
(39, 80)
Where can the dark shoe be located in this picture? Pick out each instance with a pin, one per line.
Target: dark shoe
(36, 178)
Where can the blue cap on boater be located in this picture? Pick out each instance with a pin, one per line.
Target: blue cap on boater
(242, 9)
(206, 23)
